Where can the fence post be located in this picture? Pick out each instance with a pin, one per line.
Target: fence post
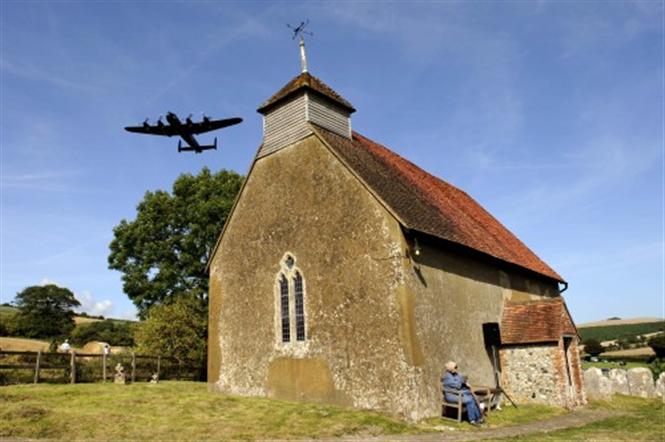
(39, 357)
(104, 367)
(159, 363)
(72, 367)
(133, 365)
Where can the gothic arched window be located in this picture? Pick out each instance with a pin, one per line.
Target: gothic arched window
(290, 302)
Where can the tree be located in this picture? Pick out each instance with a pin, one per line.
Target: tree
(109, 331)
(657, 343)
(164, 251)
(177, 330)
(593, 347)
(45, 311)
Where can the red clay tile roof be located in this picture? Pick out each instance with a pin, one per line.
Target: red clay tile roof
(427, 204)
(535, 321)
(306, 81)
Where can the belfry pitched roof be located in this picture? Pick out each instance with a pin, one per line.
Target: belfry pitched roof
(427, 204)
(306, 81)
(544, 320)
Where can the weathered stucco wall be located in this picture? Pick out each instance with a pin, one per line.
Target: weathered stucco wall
(453, 295)
(302, 200)
(380, 326)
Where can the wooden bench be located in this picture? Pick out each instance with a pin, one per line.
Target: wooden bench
(459, 405)
(483, 396)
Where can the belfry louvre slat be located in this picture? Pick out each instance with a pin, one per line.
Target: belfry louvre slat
(284, 125)
(329, 116)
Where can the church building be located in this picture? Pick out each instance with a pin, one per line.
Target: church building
(346, 274)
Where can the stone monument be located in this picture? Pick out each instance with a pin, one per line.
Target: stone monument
(119, 377)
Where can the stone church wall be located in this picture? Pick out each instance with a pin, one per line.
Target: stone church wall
(450, 296)
(530, 373)
(380, 324)
(301, 200)
(537, 373)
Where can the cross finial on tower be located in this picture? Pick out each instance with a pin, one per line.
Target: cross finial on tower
(299, 31)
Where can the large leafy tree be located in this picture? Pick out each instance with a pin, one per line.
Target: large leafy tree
(45, 311)
(163, 252)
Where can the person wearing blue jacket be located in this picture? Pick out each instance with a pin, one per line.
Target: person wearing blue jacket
(451, 379)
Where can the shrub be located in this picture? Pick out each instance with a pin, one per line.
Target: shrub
(657, 343)
(657, 367)
(593, 347)
(112, 332)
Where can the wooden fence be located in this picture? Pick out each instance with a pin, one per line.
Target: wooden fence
(20, 367)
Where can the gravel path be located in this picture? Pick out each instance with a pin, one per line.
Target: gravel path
(577, 418)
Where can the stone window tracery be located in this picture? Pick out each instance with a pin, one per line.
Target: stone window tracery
(290, 303)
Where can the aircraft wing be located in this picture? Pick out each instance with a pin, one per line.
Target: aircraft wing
(166, 130)
(206, 126)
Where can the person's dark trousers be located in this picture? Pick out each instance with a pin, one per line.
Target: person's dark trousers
(472, 409)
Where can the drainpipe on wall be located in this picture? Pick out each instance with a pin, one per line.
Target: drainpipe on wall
(565, 287)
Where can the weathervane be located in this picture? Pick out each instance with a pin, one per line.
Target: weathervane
(299, 31)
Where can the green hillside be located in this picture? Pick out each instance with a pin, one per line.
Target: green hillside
(610, 332)
(7, 312)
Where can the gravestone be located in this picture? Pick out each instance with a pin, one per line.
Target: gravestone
(119, 377)
(597, 386)
(640, 382)
(619, 379)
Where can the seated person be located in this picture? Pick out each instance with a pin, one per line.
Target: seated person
(452, 380)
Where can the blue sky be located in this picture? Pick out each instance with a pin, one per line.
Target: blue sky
(550, 114)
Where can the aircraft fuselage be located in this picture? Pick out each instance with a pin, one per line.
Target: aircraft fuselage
(187, 137)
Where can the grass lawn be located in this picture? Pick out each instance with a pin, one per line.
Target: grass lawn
(640, 420)
(185, 410)
(173, 410)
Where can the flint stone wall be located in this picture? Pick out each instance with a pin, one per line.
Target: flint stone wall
(633, 382)
(529, 373)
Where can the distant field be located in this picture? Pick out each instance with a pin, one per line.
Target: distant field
(610, 332)
(22, 344)
(642, 351)
(619, 322)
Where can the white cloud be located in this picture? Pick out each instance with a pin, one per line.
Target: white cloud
(93, 307)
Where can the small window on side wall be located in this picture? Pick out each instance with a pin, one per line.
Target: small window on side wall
(290, 302)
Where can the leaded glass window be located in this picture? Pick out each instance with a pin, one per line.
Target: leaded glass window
(300, 308)
(284, 304)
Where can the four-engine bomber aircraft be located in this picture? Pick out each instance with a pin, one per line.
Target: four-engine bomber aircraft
(185, 130)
